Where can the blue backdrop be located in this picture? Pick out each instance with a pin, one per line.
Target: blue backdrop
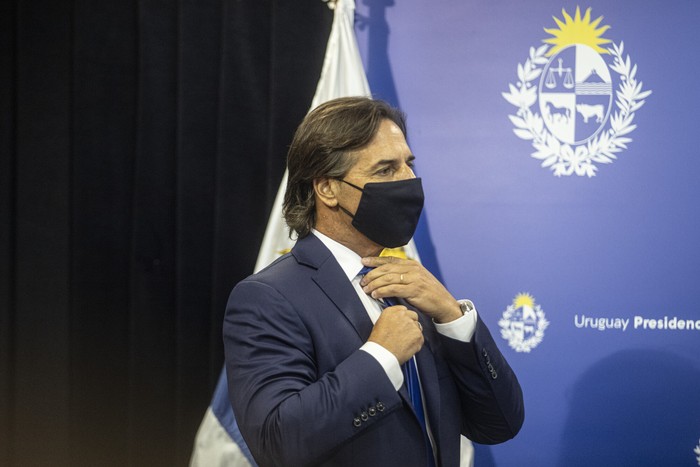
(590, 283)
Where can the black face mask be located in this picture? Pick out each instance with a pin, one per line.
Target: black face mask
(388, 212)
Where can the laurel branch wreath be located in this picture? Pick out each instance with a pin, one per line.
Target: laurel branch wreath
(513, 338)
(562, 158)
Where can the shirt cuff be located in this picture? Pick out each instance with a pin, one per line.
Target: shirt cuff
(387, 360)
(461, 329)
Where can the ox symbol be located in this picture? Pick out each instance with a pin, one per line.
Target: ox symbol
(588, 111)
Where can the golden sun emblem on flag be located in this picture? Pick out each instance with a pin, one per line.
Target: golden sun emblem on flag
(399, 252)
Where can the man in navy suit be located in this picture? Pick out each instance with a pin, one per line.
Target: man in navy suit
(323, 345)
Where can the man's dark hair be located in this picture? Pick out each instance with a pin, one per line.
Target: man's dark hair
(321, 148)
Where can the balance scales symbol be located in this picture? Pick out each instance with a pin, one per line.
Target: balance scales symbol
(551, 81)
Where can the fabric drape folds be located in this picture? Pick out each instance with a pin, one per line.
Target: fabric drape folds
(141, 147)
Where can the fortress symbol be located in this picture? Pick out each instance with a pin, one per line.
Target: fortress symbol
(551, 81)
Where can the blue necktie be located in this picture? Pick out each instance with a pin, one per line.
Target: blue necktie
(410, 374)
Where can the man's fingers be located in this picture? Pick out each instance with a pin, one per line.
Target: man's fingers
(399, 274)
(392, 284)
(401, 311)
(399, 331)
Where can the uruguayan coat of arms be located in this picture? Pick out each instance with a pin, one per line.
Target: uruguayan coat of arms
(523, 323)
(576, 97)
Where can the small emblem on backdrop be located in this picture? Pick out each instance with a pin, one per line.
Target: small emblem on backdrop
(523, 323)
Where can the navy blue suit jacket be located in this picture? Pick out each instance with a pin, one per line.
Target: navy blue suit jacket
(304, 394)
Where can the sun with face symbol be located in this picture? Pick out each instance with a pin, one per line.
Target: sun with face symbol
(577, 30)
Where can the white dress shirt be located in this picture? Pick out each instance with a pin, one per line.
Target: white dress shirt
(461, 329)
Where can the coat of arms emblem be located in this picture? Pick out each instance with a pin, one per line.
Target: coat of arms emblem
(576, 98)
(523, 323)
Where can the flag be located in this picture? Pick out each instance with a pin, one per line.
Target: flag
(342, 75)
(218, 440)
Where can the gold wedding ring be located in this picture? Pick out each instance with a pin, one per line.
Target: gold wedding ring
(401, 278)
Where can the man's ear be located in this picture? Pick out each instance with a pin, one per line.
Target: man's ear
(326, 189)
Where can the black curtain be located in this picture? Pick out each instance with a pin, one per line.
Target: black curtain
(142, 143)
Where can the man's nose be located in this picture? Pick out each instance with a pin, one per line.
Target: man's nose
(405, 172)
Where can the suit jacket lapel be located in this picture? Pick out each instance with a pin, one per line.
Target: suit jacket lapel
(343, 295)
(333, 282)
(330, 277)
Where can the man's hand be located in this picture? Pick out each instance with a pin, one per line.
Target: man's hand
(398, 331)
(408, 279)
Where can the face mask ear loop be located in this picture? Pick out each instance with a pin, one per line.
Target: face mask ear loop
(352, 216)
(354, 186)
(346, 211)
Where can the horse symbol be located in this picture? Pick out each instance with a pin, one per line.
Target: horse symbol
(558, 113)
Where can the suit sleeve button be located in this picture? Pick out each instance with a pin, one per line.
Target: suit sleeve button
(380, 406)
(372, 411)
(357, 421)
(494, 375)
(364, 416)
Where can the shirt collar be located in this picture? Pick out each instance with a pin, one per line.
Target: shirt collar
(350, 262)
